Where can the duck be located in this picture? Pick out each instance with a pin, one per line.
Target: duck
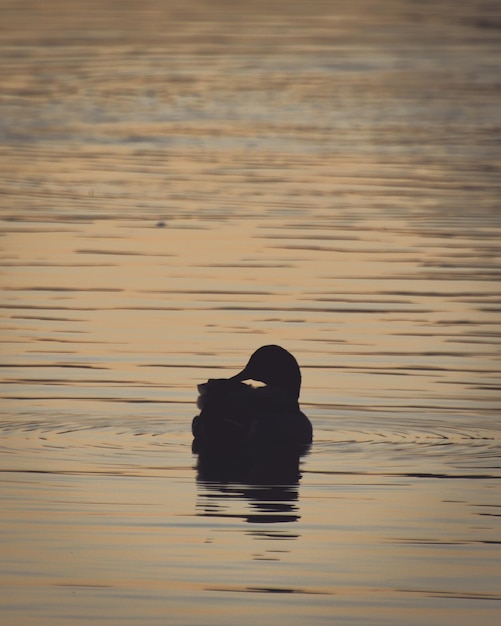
(241, 418)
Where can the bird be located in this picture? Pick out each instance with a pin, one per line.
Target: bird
(245, 420)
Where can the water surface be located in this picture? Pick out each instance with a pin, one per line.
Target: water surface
(182, 184)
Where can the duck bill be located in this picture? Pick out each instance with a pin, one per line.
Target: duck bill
(243, 375)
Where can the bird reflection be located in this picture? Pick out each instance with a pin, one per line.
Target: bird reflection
(267, 480)
(266, 465)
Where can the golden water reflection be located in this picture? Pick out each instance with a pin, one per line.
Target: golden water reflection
(181, 184)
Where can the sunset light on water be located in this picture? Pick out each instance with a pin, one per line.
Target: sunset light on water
(182, 183)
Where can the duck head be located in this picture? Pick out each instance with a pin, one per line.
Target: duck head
(275, 367)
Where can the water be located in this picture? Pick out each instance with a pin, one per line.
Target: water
(181, 184)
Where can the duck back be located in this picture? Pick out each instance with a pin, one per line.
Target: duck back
(234, 414)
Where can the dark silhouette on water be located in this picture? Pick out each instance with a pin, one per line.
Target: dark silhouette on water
(267, 504)
(253, 433)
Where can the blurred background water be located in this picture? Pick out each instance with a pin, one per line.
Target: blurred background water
(181, 183)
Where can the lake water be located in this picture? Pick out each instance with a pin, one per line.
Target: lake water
(184, 182)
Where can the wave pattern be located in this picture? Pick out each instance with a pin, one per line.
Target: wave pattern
(183, 184)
